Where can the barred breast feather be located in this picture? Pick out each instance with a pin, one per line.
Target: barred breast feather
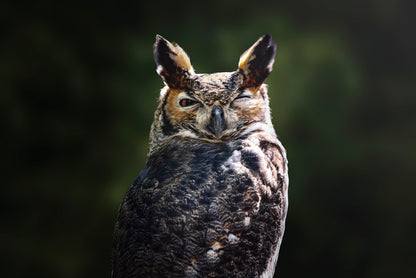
(197, 206)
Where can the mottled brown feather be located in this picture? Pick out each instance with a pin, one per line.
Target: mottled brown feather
(212, 198)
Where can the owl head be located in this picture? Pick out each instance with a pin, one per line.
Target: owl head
(215, 107)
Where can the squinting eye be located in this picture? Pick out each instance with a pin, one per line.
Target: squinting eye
(187, 102)
(243, 95)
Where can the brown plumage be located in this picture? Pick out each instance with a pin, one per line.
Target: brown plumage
(212, 198)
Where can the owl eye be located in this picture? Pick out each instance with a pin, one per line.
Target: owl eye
(244, 95)
(187, 102)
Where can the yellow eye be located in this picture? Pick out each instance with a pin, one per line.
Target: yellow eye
(187, 102)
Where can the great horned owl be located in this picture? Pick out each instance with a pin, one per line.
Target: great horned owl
(212, 198)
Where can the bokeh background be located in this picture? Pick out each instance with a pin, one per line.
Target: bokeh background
(78, 89)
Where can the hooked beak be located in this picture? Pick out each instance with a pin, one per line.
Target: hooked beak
(216, 124)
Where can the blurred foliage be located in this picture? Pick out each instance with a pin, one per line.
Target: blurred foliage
(78, 89)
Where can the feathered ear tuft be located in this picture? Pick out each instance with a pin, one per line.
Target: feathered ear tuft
(256, 63)
(173, 64)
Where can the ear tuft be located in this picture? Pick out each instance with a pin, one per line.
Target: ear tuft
(173, 64)
(256, 63)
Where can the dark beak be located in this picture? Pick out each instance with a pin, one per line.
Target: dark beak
(216, 124)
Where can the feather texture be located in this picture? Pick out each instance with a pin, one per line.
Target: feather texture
(209, 203)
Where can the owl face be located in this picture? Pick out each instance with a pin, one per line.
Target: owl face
(214, 107)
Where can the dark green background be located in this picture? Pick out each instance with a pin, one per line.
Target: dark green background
(78, 89)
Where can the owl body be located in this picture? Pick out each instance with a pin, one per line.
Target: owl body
(212, 198)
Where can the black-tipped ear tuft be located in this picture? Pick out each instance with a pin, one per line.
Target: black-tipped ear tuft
(256, 63)
(173, 64)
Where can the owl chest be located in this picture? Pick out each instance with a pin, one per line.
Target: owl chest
(204, 205)
(211, 189)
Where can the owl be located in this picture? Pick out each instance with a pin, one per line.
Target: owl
(212, 199)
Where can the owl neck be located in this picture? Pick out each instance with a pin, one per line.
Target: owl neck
(159, 141)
